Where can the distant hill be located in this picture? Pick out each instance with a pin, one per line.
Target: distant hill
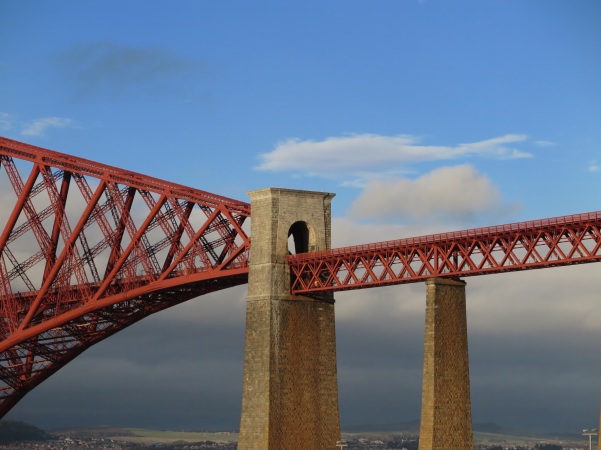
(412, 427)
(405, 427)
(15, 431)
(100, 432)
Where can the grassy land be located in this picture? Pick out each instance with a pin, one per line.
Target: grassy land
(523, 439)
(142, 435)
(147, 436)
(188, 436)
(482, 438)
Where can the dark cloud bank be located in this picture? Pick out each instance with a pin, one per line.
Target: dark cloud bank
(533, 340)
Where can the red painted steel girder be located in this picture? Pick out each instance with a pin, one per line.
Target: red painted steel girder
(535, 244)
(87, 249)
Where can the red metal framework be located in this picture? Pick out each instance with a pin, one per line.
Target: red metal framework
(535, 244)
(87, 249)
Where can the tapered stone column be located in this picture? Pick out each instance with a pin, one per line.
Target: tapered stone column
(446, 422)
(290, 390)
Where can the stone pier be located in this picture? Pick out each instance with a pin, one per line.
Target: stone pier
(446, 419)
(290, 389)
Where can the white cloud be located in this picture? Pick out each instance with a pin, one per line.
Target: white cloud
(5, 121)
(456, 194)
(544, 143)
(594, 166)
(39, 126)
(365, 152)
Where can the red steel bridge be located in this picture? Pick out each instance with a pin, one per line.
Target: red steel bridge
(88, 249)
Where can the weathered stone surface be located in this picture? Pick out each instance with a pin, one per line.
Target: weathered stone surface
(446, 422)
(290, 390)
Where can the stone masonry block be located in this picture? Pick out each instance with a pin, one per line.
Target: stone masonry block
(290, 390)
(446, 421)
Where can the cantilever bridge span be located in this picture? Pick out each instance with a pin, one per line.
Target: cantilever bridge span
(88, 249)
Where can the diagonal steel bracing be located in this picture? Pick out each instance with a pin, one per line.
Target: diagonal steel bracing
(88, 249)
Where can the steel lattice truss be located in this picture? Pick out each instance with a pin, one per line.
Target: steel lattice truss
(88, 249)
(536, 244)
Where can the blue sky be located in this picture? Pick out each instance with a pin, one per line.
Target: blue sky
(421, 116)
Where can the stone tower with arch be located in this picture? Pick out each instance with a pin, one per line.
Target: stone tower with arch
(290, 390)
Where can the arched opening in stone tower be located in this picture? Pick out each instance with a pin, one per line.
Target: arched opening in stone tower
(299, 238)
